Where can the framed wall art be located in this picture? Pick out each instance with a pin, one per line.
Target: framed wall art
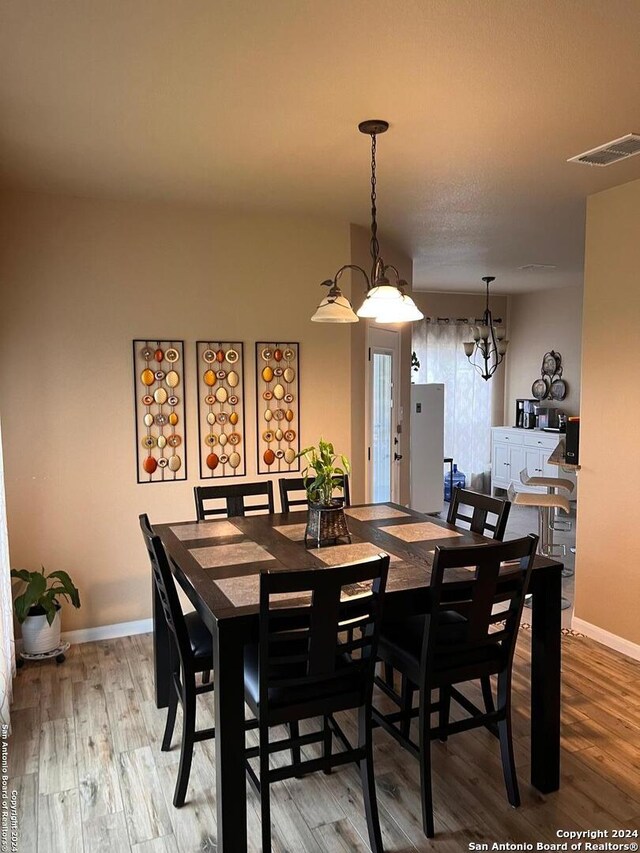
(221, 422)
(158, 374)
(277, 407)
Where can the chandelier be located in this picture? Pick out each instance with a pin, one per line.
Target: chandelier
(386, 301)
(488, 347)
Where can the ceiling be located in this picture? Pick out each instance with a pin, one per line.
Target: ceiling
(254, 106)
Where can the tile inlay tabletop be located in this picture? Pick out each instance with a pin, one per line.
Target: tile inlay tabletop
(230, 555)
(420, 532)
(373, 513)
(205, 530)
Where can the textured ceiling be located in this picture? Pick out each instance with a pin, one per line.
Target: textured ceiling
(254, 105)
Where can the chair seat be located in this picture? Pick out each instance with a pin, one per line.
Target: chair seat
(279, 696)
(402, 639)
(199, 637)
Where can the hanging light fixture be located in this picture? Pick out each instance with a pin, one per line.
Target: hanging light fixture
(385, 302)
(488, 347)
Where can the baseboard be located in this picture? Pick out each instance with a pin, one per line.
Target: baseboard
(612, 641)
(109, 632)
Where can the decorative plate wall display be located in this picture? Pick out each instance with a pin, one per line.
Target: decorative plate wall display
(158, 375)
(278, 407)
(221, 409)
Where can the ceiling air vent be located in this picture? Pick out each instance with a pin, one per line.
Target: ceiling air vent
(610, 152)
(537, 267)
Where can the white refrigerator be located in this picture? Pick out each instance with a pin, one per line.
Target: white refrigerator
(427, 447)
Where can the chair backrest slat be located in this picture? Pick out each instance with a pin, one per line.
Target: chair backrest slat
(310, 637)
(287, 485)
(233, 495)
(482, 506)
(502, 572)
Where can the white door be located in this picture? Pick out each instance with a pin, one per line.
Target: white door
(383, 441)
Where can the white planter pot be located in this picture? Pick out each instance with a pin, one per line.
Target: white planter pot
(38, 636)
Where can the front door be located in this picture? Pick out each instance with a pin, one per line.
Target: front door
(382, 422)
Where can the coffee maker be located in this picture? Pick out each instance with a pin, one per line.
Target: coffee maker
(525, 415)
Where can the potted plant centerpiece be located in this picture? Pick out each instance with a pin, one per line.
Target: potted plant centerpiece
(38, 609)
(326, 522)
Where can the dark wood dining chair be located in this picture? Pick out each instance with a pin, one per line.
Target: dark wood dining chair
(296, 484)
(233, 495)
(481, 506)
(460, 640)
(302, 668)
(190, 653)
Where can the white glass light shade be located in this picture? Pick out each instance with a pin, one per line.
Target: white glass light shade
(334, 311)
(499, 332)
(404, 310)
(475, 331)
(502, 347)
(484, 332)
(381, 294)
(469, 347)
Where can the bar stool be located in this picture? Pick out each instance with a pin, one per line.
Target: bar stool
(552, 485)
(545, 504)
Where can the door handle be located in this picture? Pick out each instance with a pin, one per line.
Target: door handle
(397, 457)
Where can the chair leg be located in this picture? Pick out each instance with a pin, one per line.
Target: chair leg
(171, 719)
(487, 694)
(445, 710)
(327, 744)
(425, 763)
(506, 741)
(206, 676)
(388, 675)
(294, 731)
(365, 740)
(406, 693)
(188, 731)
(265, 802)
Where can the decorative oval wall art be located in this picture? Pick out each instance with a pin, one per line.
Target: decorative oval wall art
(160, 415)
(220, 408)
(277, 382)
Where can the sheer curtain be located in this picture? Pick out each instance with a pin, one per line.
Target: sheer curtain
(7, 646)
(467, 397)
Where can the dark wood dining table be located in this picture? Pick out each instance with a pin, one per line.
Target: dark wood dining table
(217, 564)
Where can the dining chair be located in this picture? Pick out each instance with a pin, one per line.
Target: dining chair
(461, 639)
(302, 668)
(296, 484)
(190, 653)
(481, 507)
(233, 495)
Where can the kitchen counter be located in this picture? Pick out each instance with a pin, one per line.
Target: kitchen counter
(557, 458)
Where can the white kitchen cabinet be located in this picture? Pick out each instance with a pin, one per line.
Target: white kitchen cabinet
(513, 450)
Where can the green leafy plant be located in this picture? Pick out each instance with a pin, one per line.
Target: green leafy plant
(322, 475)
(42, 593)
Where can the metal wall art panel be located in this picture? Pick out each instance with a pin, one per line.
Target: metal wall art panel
(221, 409)
(278, 407)
(159, 388)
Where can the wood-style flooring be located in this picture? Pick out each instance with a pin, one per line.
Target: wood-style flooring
(85, 760)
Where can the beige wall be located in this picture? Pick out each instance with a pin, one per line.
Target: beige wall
(459, 305)
(539, 322)
(80, 280)
(361, 256)
(608, 553)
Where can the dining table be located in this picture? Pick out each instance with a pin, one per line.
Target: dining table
(218, 563)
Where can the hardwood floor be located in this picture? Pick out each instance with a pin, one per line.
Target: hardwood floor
(85, 760)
